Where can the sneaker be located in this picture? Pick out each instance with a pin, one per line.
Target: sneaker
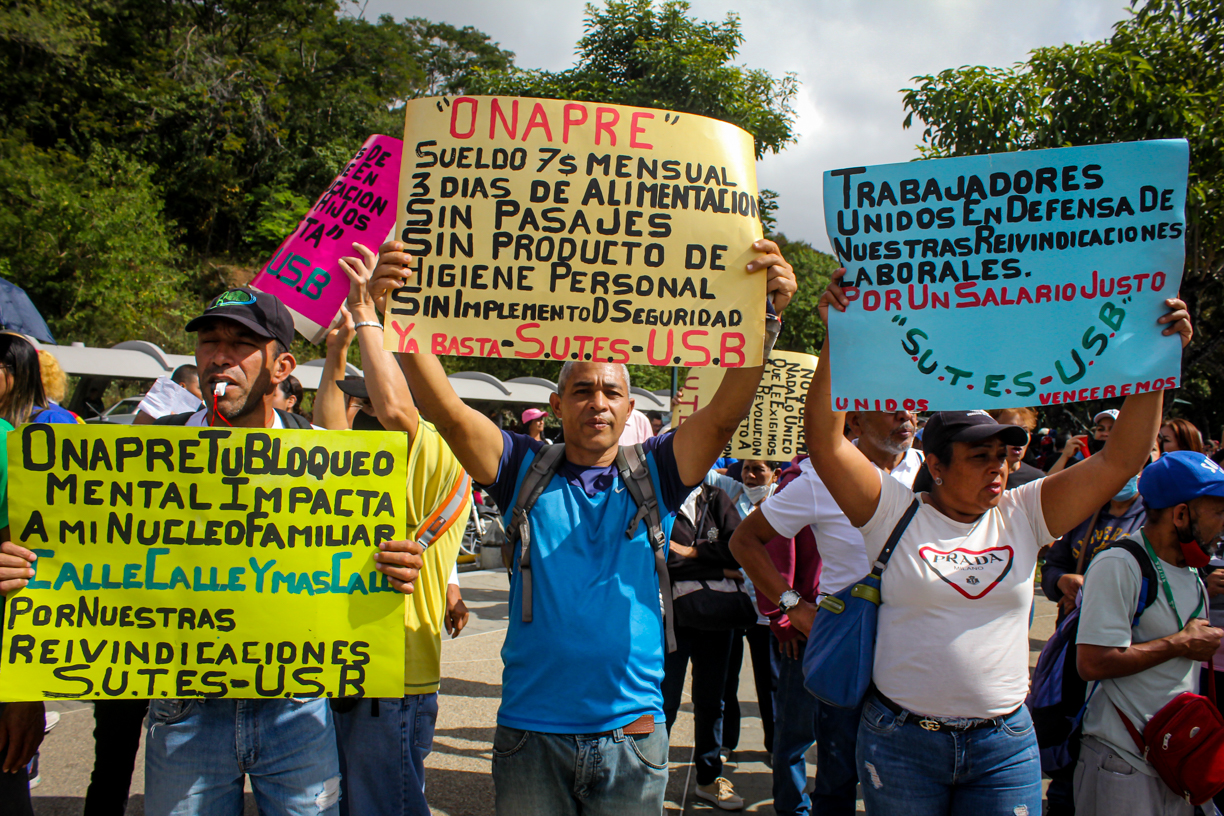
(721, 793)
(51, 720)
(32, 772)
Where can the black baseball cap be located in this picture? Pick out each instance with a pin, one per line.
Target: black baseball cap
(260, 312)
(354, 386)
(945, 427)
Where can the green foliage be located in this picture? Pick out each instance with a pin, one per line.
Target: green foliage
(801, 326)
(1161, 75)
(634, 53)
(87, 241)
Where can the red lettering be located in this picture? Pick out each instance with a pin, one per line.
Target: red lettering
(538, 119)
(635, 129)
(969, 298)
(524, 338)
(667, 357)
(403, 335)
(498, 113)
(726, 349)
(602, 126)
(705, 352)
(569, 121)
(619, 347)
(892, 297)
(438, 346)
(455, 117)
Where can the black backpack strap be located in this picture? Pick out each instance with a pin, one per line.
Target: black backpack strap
(546, 463)
(174, 419)
(895, 538)
(293, 421)
(1149, 583)
(635, 474)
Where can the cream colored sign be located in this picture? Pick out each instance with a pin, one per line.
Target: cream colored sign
(555, 230)
(774, 427)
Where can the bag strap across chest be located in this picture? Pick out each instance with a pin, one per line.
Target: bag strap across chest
(635, 475)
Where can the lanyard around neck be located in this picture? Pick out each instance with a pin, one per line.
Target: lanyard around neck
(1164, 584)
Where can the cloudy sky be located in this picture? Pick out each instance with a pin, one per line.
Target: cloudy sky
(852, 59)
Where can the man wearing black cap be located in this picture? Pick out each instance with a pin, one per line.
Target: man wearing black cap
(1142, 666)
(197, 751)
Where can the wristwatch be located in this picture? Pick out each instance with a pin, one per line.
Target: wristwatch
(789, 600)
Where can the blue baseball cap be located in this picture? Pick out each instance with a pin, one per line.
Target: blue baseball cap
(1180, 477)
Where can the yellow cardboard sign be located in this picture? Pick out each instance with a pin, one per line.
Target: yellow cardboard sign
(203, 562)
(774, 427)
(556, 230)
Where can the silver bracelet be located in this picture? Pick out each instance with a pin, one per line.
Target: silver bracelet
(367, 323)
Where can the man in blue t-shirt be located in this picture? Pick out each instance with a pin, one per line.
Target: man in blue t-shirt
(580, 727)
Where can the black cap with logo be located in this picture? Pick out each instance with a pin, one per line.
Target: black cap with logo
(946, 427)
(260, 312)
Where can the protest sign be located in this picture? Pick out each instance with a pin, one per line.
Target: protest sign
(554, 230)
(359, 205)
(203, 562)
(774, 427)
(1013, 279)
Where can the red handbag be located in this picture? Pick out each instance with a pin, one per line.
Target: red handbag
(1184, 741)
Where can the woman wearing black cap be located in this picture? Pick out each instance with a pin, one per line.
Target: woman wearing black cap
(944, 729)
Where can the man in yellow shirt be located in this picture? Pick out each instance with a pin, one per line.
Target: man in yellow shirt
(383, 742)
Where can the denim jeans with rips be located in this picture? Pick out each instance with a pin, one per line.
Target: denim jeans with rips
(608, 774)
(907, 770)
(383, 744)
(197, 752)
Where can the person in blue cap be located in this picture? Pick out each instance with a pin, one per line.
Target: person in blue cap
(1142, 667)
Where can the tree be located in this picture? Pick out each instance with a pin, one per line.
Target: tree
(636, 54)
(1161, 75)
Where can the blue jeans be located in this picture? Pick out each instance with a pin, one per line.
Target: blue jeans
(802, 720)
(609, 774)
(709, 652)
(382, 755)
(197, 751)
(909, 771)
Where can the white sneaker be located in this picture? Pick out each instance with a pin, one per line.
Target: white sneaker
(52, 719)
(721, 793)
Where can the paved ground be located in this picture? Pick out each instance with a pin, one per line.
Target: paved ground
(459, 780)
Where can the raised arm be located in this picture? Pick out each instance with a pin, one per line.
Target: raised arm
(1072, 495)
(851, 478)
(475, 440)
(701, 438)
(329, 403)
(390, 396)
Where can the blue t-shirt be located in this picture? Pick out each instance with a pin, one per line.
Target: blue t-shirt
(591, 659)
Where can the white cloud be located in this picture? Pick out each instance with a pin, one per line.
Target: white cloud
(852, 58)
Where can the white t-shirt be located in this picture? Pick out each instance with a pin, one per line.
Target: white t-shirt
(200, 420)
(953, 627)
(806, 501)
(1111, 596)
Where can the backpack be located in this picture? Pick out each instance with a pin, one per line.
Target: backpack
(290, 421)
(1058, 698)
(635, 475)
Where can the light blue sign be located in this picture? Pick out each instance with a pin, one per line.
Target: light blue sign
(1030, 278)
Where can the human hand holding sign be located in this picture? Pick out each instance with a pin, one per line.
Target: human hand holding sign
(390, 274)
(780, 284)
(16, 567)
(401, 562)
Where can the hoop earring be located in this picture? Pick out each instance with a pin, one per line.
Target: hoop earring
(939, 481)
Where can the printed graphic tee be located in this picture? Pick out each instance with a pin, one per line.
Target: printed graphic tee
(953, 627)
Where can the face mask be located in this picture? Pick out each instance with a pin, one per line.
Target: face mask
(1128, 490)
(1194, 553)
(366, 422)
(757, 494)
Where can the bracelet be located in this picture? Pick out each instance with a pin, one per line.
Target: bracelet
(367, 323)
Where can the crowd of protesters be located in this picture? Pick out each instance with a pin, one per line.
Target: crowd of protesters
(639, 557)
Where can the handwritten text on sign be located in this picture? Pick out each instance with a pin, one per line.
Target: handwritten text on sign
(185, 562)
(774, 427)
(560, 230)
(1009, 279)
(358, 206)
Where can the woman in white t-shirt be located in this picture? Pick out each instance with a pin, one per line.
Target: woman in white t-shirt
(945, 730)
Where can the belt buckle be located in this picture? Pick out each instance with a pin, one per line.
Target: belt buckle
(929, 724)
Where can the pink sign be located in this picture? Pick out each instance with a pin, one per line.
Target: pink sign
(358, 206)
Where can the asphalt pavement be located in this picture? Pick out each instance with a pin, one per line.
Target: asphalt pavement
(458, 778)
